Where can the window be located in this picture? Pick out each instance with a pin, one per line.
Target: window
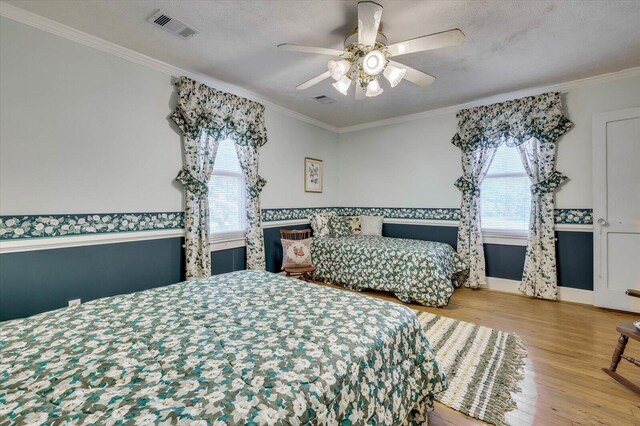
(506, 195)
(226, 193)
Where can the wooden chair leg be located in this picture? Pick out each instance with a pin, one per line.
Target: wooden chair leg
(618, 351)
(618, 354)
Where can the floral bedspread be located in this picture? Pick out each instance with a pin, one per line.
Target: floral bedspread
(243, 348)
(415, 270)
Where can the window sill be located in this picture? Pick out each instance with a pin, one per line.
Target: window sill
(505, 239)
(226, 241)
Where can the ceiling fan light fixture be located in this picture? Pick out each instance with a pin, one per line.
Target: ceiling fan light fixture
(343, 85)
(373, 89)
(394, 75)
(374, 62)
(338, 69)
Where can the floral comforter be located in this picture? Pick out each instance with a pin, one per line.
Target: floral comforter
(415, 270)
(243, 348)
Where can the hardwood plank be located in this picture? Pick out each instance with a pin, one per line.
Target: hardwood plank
(567, 343)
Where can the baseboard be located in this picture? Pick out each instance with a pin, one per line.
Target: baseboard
(566, 294)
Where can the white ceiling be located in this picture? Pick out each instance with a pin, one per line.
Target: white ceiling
(509, 45)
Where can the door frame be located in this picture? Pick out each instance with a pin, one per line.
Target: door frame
(599, 189)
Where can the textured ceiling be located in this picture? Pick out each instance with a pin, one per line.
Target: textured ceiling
(509, 45)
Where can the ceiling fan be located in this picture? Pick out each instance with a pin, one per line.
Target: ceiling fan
(366, 55)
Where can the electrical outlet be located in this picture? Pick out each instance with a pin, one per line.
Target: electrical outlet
(74, 302)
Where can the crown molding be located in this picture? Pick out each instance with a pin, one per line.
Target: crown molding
(560, 87)
(36, 21)
(28, 18)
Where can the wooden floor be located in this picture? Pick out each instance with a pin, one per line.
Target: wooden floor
(567, 343)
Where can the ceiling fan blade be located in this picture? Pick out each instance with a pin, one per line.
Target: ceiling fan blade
(413, 75)
(427, 42)
(369, 15)
(315, 80)
(309, 49)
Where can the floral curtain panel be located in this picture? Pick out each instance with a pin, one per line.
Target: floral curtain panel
(199, 155)
(533, 124)
(206, 114)
(475, 165)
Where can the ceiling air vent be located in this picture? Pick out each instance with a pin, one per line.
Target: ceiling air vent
(174, 26)
(324, 99)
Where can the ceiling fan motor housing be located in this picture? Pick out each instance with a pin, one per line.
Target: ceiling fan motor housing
(352, 40)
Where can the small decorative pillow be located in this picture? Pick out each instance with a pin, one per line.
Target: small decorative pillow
(321, 223)
(354, 223)
(296, 253)
(371, 225)
(340, 227)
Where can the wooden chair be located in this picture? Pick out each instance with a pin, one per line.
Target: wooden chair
(306, 273)
(626, 330)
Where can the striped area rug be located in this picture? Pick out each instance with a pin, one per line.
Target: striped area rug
(483, 366)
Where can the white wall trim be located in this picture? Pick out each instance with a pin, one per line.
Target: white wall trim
(566, 294)
(423, 222)
(278, 223)
(56, 28)
(28, 18)
(217, 244)
(33, 244)
(436, 222)
(560, 87)
(573, 227)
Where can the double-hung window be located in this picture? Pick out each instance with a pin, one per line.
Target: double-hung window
(506, 195)
(227, 211)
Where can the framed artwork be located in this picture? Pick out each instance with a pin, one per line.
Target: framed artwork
(312, 175)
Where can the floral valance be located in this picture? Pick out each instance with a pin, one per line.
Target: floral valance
(202, 108)
(513, 122)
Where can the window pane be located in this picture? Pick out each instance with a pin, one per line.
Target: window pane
(506, 203)
(226, 157)
(506, 160)
(226, 206)
(226, 191)
(506, 200)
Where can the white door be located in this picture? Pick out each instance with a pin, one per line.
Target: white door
(616, 209)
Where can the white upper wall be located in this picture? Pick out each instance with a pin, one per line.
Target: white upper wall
(289, 141)
(83, 131)
(414, 164)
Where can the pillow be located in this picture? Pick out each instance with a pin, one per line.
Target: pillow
(340, 227)
(296, 253)
(320, 223)
(354, 223)
(371, 225)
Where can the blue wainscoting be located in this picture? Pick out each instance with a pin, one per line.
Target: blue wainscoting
(443, 234)
(230, 260)
(574, 253)
(273, 246)
(504, 261)
(36, 281)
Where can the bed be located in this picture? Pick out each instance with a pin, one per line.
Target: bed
(246, 347)
(414, 270)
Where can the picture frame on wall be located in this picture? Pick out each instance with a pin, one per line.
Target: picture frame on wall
(313, 171)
